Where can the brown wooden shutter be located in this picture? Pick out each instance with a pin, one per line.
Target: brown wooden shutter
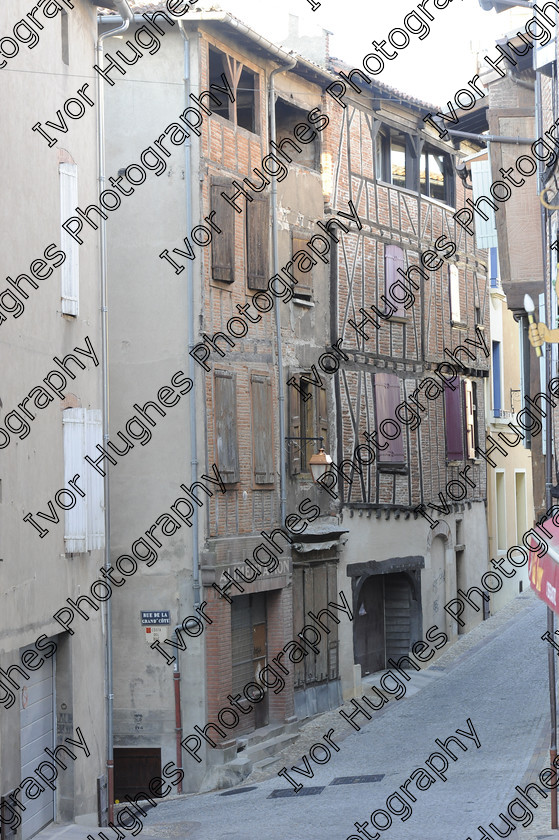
(387, 398)
(453, 423)
(393, 260)
(262, 429)
(258, 242)
(320, 598)
(294, 430)
(225, 406)
(223, 244)
(304, 285)
(333, 595)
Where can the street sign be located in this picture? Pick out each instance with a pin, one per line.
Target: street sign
(155, 617)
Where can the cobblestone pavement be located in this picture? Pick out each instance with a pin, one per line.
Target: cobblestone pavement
(496, 676)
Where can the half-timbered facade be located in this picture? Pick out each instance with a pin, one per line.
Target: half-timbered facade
(411, 313)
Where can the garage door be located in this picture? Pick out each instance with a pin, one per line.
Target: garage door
(37, 733)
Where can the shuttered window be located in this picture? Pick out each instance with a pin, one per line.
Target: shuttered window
(454, 291)
(470, 419)
(387, 398)
(68, 181)
(258, 242)
(453, 423)
(393, 260)
(295, 402)
(304, 287)
(223, 244)
(308, 421)
(225, 407)
(84, 523)
(262, 429)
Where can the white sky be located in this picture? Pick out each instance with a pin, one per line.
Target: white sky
(432, 69)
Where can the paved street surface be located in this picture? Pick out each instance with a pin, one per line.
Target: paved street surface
(496, 676)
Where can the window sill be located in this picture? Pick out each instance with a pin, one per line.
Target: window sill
(308, 304)
(399, 319)
(400, 469)
(459, 325)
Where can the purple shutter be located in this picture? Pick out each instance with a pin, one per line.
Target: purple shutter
(453, 423)
(387, 398)
(393, 260)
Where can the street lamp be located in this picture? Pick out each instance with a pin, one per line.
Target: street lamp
(320, 464)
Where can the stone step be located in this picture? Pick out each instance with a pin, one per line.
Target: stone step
(269, 748)
(264, 733)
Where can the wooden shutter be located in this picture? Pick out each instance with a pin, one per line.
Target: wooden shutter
(393, 260)
(225, 407)
(84, 524)
(453, 423)
(223, 244)
(294, 429)
(262, 429)
(470, 419)
(387, 398)
(320, 598)
(68, 175)
(258, 242)
(454, 290)
(304, 287)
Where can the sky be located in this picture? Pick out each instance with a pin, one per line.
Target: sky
(432, 69)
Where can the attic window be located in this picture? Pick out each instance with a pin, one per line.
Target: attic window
(245, 86)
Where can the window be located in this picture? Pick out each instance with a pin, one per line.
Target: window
(225, 411)
(398, 160)
(520, 497)
(432, 175)
(496, 378)
(258, 242)
(308, 418)
(304, 288)
(246, 100)
(494, 268)
(223, 244)
(453, 423)
(68, 181)
(393, 260)
(387, 399)
(454, 291)
(64, 37)
(244, 111)
(84, 523)
(262, 429)
(287, 117)
(470, 419)
(500, 510)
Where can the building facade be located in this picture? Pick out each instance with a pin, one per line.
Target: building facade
(52, 684)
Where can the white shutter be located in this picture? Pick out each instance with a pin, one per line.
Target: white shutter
(454, 283)
(94, 485)
(68, 173)
(470, 433)
(84, 523)
(486, 231)
(75, 520)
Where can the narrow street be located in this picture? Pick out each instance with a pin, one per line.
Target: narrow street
(496, 676)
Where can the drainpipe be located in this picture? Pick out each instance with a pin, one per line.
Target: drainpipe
(178, 720)
(190, 330)
(126, 14)
(275, 270)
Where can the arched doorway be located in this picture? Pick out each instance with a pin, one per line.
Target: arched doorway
(385, 622)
